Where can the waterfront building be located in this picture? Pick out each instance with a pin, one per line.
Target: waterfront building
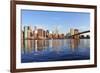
(55, 33)
(25, 32)
(27, 37)
(41, 34)
(47, 34)
(50, 36)
(29, 32)
(71, 31)
(35, 32)
(88, 36)
(61, 36)
(67, 35)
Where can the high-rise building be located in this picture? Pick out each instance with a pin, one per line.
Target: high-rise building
(29, 32)
(71, 31)
(47, 33)
(41, 34)
(25, 32)
(27, 36)
(35, 32)
(61, 36)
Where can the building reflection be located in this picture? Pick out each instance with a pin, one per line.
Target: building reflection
(56, 45)
(74, 43)
(34, 45)
(40, 45)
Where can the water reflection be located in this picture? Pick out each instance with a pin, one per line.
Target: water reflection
(55, 50)
(74, 44)
(56, 45)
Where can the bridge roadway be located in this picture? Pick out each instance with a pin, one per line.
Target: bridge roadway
(81, 33)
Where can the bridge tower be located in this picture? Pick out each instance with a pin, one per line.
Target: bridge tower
(73, 32)
(76, 31)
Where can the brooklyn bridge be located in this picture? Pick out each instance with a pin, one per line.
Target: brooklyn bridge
(79, 33)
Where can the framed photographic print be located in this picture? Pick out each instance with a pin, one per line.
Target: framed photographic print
(52, 36)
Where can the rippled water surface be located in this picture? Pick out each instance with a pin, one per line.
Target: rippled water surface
(55, 50)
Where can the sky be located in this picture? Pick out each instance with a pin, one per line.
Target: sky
(50, 20)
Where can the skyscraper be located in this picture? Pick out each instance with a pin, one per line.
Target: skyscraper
(27, 36)
(71, 31)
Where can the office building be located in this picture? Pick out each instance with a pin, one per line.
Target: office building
(71, 31)
(41, 34)
(27, 36)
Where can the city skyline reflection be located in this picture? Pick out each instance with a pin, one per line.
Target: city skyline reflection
(55, 50)
(56, 44)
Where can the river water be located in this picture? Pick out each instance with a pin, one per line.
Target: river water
(55, 50)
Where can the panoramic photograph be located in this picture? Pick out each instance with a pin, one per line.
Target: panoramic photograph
(48, 36)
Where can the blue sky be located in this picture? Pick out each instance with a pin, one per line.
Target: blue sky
(50, 20)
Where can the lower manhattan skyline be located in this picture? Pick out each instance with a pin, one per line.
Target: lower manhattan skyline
(54, 36)
(50, 20)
